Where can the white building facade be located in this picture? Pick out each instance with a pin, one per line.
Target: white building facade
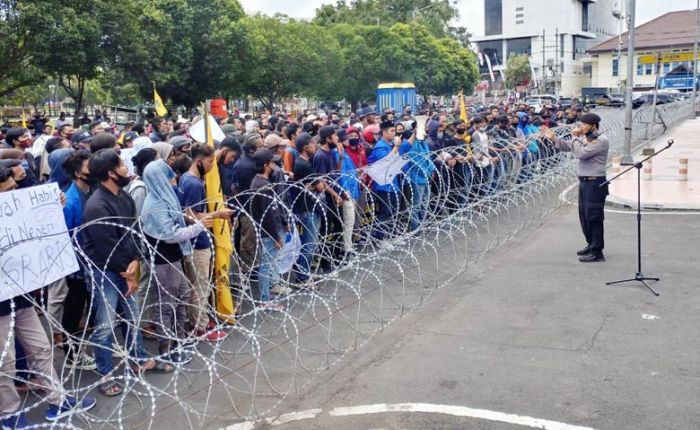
(554, 33)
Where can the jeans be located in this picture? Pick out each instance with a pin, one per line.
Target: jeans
(269, 271)
(387, 208)
(484, 177)
(108, 291)
(310, 226)
(421, 199)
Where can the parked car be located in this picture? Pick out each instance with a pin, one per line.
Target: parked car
(648, 99)
(610, 99)
(538, 104)
(565, 102)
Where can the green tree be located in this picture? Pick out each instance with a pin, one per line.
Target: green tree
(282, 59)
(435, 15)
(77, 40)
(518, 70)
(17, 68)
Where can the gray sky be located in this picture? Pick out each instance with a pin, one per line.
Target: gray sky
(646, 9)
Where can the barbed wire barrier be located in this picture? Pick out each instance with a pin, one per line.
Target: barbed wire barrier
(355, 288)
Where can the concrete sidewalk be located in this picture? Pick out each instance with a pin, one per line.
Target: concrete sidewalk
(665, 190)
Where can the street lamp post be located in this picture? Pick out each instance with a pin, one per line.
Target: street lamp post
(627, 156)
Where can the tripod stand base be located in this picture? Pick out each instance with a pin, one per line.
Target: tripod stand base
(639, 277)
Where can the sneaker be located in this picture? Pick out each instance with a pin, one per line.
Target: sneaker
(178, 358)
(17, 422)
(70, 405)
(83, 362)
(212, 336)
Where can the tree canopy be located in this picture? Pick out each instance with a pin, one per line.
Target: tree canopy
(197, 49)
(518, 70)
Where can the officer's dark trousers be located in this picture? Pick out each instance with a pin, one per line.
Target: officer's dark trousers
(591, 202)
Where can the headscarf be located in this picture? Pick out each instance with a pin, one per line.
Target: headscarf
(58, 174)
(523, 124)
(163, 148)
(142, 142)
(162, 213)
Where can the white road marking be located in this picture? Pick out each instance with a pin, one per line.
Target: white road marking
(426, 408)
(650, 317)
(294, 416)
(459, 411)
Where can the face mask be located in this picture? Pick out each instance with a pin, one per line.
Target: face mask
(354, 142)
(88, 180)
(484, 128)
(277, 158)
(440, 135)
(122, 181)
(461, 131)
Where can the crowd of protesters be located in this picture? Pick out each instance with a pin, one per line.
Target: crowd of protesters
(279, 174)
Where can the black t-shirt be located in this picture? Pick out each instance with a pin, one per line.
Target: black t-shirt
(164, 252)
(305, 175)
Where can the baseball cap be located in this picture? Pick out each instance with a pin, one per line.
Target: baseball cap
(180, 141)
(272, 141)
(326, 132)
(262, 156)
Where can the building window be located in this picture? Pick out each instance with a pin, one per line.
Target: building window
(640, 67)
(520, 21)
(616, 67)
(648, 69)
(667, 68)
(493, 17)
(519, 46)
(519, 9)
(584, 16)
(519, 15)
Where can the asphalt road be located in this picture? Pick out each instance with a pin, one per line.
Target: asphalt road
(531, 332)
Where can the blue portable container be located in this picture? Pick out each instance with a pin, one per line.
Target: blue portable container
(395, 96)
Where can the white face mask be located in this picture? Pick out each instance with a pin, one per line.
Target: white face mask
(483, 128)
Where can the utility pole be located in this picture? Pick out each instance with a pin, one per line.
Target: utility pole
(693, 114)
(544, 73)
(627, 156)
(557, 60)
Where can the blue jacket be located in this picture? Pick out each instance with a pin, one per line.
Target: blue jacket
(73, 210)
(348, 179)
(420, 166)
(381, 150)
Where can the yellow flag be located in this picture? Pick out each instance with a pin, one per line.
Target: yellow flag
(462, 108)
(463, 116)
(24, 120)
(221, 230)
(160, 107)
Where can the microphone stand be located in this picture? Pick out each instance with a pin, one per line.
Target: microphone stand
(639, 276)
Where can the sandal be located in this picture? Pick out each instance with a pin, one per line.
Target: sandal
(153, 366)
(110, 388)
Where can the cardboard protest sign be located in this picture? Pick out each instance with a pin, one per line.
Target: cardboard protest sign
(35, 248)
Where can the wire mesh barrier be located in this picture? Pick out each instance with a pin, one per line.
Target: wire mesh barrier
(343, 274)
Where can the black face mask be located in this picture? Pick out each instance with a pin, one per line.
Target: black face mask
(592, 135)
(122, 181)
(88, 180)
(354, 142)
(461, 131)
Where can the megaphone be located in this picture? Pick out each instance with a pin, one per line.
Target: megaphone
(421, 121)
